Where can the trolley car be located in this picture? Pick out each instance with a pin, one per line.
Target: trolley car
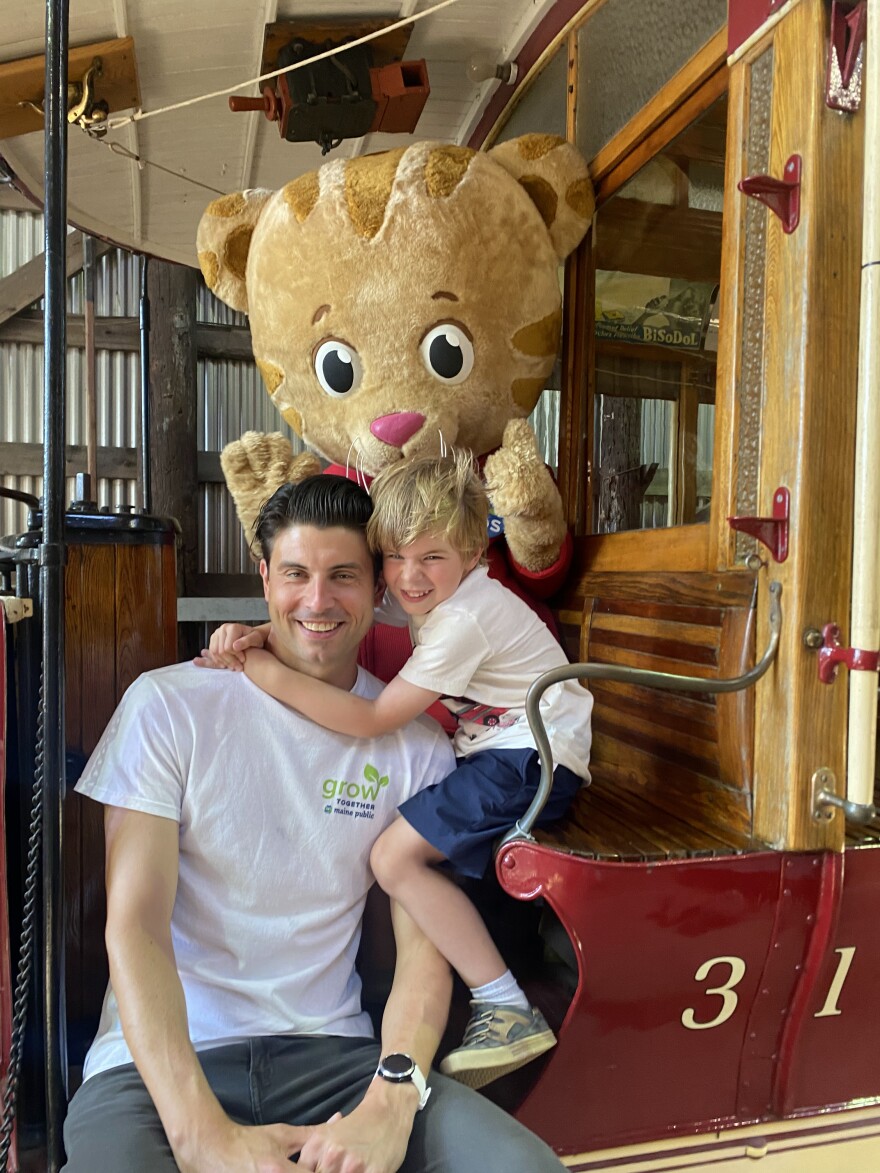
(701, 926)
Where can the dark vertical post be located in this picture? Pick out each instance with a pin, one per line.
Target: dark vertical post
(144, 445)
(171, 290)
(91, 490)
(52, 570)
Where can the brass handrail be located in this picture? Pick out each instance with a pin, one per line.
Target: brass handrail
(522, 829)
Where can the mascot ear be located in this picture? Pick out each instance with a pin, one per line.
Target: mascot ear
(555, 175)
(223, 241)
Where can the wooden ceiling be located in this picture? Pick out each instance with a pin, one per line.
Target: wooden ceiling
(188, 156)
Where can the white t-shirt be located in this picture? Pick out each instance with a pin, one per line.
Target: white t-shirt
(482, 649)
(277, 818)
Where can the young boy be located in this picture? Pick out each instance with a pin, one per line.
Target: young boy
(478, 648)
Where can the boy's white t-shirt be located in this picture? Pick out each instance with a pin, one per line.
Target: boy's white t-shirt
(482, 649)
(277, 818)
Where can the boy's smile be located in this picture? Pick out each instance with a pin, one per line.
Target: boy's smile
(426, 572)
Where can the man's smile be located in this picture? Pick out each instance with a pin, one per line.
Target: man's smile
(320, 626)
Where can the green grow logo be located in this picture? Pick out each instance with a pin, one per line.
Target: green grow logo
(355, 799)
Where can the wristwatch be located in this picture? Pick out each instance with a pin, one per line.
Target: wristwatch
(400, 1068)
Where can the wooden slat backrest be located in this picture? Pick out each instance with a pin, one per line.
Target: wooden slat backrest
(690, 753)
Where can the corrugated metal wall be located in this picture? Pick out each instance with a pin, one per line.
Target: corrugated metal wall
(232, 398)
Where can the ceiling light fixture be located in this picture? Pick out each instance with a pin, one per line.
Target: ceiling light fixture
(482, 66)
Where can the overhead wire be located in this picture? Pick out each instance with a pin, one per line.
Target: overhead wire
(97, 132)
(140, 115)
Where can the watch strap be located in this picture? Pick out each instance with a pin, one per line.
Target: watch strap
(414, 1077)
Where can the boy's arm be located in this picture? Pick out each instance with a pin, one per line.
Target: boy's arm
(229, 643)
(142, 869)
(378, 1130)
(334, 708)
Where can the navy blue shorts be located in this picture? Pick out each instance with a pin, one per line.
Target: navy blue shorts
(482, 798)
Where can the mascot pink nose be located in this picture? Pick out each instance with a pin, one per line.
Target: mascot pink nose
(396, 429)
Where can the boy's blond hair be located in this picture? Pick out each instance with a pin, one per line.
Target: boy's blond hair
(437, 495)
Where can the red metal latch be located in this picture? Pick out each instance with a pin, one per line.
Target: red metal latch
(770, 531)
(843, 76)
(831, 654)
(782, 196)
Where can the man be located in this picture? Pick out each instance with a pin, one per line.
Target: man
(238, 840)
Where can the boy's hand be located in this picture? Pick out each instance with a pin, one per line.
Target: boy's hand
(228, 646)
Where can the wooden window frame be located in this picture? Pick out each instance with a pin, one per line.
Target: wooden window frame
(687, 95)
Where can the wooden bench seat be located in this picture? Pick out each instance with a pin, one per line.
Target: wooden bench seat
(608, 823)
(672, 772)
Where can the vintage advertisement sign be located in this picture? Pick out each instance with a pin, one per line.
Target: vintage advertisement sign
(667, 311)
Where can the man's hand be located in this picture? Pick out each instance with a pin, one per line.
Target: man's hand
(228, 646)
(242, 1149)
(372, 1139)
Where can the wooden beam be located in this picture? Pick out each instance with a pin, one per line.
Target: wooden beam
(12, 200)
(172, 443)
(26, 460)
(25, 286)
(118, 464)
(110, 333)
(224, 342)
(24, 81)
(634, 236)
(219, 342)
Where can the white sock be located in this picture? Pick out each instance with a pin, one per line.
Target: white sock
(504, 991)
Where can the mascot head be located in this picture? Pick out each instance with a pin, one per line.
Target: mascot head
(402, 300)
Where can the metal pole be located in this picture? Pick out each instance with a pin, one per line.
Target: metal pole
(52, 571)
(865, 602)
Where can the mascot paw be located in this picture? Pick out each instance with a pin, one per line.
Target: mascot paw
(517, 480)
(524, 494)
(258, 464)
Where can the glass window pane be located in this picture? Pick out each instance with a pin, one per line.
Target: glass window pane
(541, 110)
(658, 267)
(627, 51)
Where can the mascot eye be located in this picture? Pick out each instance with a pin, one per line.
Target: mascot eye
(338, 368)
(448, 353)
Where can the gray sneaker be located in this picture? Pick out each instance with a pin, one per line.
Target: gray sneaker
(498, 1039)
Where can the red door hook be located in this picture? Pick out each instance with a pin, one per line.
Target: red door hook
(782, 196)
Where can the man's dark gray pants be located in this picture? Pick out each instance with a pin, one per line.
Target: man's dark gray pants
(112, 1126)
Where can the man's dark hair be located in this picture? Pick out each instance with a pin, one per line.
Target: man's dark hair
(323, 501)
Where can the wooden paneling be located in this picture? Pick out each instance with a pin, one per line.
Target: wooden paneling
(807, 324)
(672, 772)
(683, 548)
(121, 620)
(89, 600)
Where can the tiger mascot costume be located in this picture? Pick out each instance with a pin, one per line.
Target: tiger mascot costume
(401, 303)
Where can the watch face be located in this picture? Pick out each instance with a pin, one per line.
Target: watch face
(398, 1064)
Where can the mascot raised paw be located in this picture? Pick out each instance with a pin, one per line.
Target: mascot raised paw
(406, 302)
(258, 463)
